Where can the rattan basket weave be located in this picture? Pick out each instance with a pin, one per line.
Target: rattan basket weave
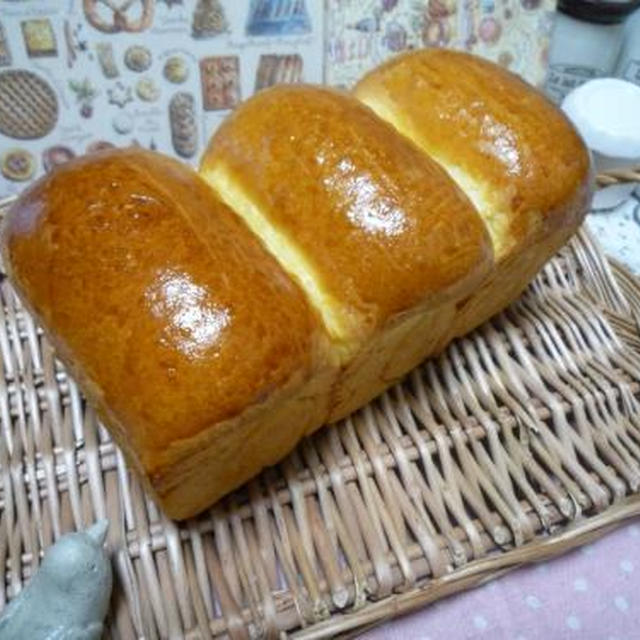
(520, 442)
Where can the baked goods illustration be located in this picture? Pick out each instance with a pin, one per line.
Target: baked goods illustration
(278, 69)
(209, 19)
(182, 118)
(220, 82)
(436, 33)
(395, 37)
(17, 165)
(119, 95)
(278, 17)
(69, 44)
(5, 53)
(123, 123)
(85, 93)
(76, 44)
(107, 60)
(39, 38)
(28, 105)
(137, 58)
(441, 9)
(55, 156)
(489, 30)
(175, 69)
(99, 145)
(113, 16)
(147, 89)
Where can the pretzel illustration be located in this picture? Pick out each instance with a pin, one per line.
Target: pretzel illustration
(120, 21)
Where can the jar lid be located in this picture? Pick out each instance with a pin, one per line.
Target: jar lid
(605, 112)
(598, 11)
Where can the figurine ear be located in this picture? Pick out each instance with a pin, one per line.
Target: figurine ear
(98, 531)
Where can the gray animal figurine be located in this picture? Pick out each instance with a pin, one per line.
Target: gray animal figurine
(68, 597)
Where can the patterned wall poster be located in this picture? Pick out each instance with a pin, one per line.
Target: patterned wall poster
(362, 33)
(77, 76)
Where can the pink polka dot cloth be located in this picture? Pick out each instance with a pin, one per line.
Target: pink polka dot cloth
(592, 593)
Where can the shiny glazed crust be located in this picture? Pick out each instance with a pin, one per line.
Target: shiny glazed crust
(512, 151)
(380, 226)
(166, 306)
(373, 229)
(515, 155)
(213, 325)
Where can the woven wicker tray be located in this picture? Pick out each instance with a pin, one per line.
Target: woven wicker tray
(519, 443)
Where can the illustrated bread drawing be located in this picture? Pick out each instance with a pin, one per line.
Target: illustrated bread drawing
(209, 19)
(182, 119)
(107, 60)
(278, 69)
(325, 248)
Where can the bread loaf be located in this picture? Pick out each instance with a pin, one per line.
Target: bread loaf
(329, 243)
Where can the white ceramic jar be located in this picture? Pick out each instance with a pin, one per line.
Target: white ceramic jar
(586, 43)
(628, 66)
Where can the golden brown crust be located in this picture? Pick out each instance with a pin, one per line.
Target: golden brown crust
(197, 472)
(172, 311)
(382, 226)
(489, 128)
(210, 347)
